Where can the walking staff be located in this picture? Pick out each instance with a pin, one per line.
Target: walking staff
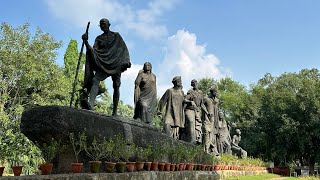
(76, 76)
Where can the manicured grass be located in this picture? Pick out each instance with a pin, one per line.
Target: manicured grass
(271, 176)
(255, 177)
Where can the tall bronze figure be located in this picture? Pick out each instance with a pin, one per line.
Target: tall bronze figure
(193, 103)
(109, 56)
(173, 99)
(224, 139)
(145, 94)
(210, 121)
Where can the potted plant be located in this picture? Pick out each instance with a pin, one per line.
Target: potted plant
(190, 155)
(48, 151)
(199, 159)
(174, 157)
(109, 155)
(119, 151)
(2, 160)
(128, 152)
(96, 151)
(141, 157)
(15, 164)
(148, 152)
(78, 145)
(1, 166)
(159, 150)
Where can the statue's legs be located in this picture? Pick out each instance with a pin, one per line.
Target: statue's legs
(116, 96)
(207, 141)
(116, 92)
(175, 132)
(215, 144)
(226, 146)
(190, 126)
(144, 114)
(171, 131)
(243, 153)
(93, 92)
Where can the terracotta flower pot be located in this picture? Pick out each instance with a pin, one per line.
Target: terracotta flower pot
(172, 167)
(217, 167)
(161, 166)
(120, 167)
(147, 166)
(17, 170)
(167, 166)
(208, 167)
(189, 167)
(1, 170)
(109, 167)
(181, 167)
(139, 166)
(94, 166)
(202, 167)
(76, 167)
(130, 166)
(154, 166)
(46, 168)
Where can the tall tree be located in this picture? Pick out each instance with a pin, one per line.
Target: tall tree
(205, 84)
(28, 77)
(290, 116)
(71, 58)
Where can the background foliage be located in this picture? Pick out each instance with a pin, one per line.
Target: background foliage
(279, 116)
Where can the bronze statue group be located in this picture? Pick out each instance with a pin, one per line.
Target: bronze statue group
(193, 117)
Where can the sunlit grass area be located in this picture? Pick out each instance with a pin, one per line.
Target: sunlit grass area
(271, 177)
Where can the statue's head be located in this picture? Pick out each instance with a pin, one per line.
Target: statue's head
(221, 116)
(176, 81)
(214, 90)
(238, 131)
(194, 83)
(104, 24)
(147, 66)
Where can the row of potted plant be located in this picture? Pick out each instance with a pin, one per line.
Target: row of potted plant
(119, 156)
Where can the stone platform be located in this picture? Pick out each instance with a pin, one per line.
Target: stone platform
(42, 123)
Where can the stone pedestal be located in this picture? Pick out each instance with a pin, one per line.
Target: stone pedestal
(42, 123)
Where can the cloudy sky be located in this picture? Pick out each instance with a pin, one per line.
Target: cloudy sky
(193, 39)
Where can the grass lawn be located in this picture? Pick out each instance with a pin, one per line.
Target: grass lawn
(255, 177)
(270, 177)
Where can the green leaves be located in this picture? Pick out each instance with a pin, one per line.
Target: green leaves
(78, 143)
(50, 150)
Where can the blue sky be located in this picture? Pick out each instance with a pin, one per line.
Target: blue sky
(194, 39)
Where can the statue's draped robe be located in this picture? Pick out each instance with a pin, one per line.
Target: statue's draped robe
(174, 115)
(145, 96)
(193, 116)
(109, 55)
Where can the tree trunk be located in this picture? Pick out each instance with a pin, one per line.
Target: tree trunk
(311, 165)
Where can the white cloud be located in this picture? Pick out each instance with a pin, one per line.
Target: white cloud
(141, 21)
(186, 58)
